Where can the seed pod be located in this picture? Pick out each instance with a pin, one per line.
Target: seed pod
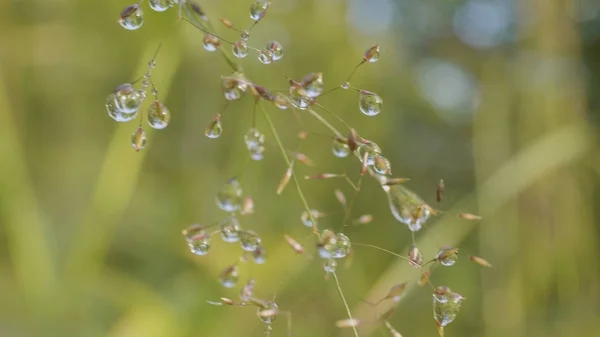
(440, 191)
(352, 140)
(339, 195)
(294, 244)
(285, 180)
(480, 261)
(469, 216)
(347, 323)
(226, 22)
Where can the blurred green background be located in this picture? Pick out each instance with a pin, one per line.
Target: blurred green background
(498, 97)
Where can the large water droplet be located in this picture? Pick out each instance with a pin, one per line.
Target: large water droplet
(230, 229)
(158, 115)
(138, 139)
(446, 310)
(198, 240)
(127, 99)
(313, 84)
(404, 204)
(258, 9)
(369, 103)
(211, 42)
(342, 247)
(229, 197)
(214, 129)
(327, 246)
(447, 256)
(372, 54)
(232, 90)
(229, 277)
(276, 50)
(371, 148)
(298, 98)
(254, 142)
(249, 240)
(132, 17)
(329, 265)
(240, 49)
(340, 148)
(160, 5)
(382, 165)
(268, 312)
(265, 56)
(115, 113)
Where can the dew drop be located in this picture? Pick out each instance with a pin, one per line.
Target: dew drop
(138, 139)
(369, 103)
(313, 84)
(232, 90)
(249, 240)
(229, 277)
(404, 204)
(199, 243)
(298, 99)
(132, 17)
(265, 56)
(447, 256)
(229, 197)
(255, 144)
(329, 265)
(245, 35)
(340, 148)
(372, 54)
(268, 312)
(445, 311)
(127, 99)
(382, 165)
(248, 290)
(342, 247)
(214, 129)
(160, 5)
(415, 256)
(115, 113)
(211, 42)
(371, 148)
(281, 101)
(258, 9)
(306, 218)
(240, 49)
(259, 255)
(230, 229)
(327, 246)
(158, 115)
(345, 85)
(276, 50)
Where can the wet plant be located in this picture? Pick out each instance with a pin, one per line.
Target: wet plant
(303, 94)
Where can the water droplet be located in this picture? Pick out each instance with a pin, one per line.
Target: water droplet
(276, 50)
(229, 197)
(240, 49)
(254, 141)
(372, 54)
(214, 129)
(230, 228)
(342, 247)
(259, 255)
(382, 165)
(298, 98)
(211, 42)
(445, 311)
(447, 256)
(442, 294)
(138, 139)
(369, 103)
(151, 64)
(265, 56)
(132, 17)
(340, 148)
(115, 113)
(232, 90)
(258, 9)
(327, 246)
(306, 218)
(371, 148)
(404, 204)
(248, 290)
(158, 115)
(127, 99)
(249, 240)
(281, 101)
(229, 276)
(345, 85)
(198, 240)
(313, 85)
(245, 35)
(329, 265)
(160, 5)
(415, 256)
(268, 312)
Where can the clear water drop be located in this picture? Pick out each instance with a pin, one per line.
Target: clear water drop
(444, 312)
(372, 150)
(245, 35)
(115, 113)
(199, 244)
(249, 240)
(232, 90)
(329, 265)
(132, 17)
(160, 5)
(298, 98)
(259, 255)
(229, 277)
(281, 101)
(340, 148)
(313, 85)
(327, 246)
(230, 229)
(276, 50)
(447, 256)
(345, 85)
(127, 99)
(269, 307)
(158, 115)
(255, 144)
(306, 220)
(258, 9)
(138, 139)
(211, 42)
(382, 165)
(240, 49)
(265, 56)
(372, 54)
(229, 197)
(404, 204)
(415, 256)
(214, 129)
(369, 103)
(342, 246)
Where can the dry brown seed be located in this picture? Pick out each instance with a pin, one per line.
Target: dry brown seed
(396, 290)
(301, 157)
(285, 180)
(127, 11)
(227, 301)
(395, 181)
(469, 216)
(303, 135)
(364, 219)
(339, 195)
(363, 169)
(347, 323)
(424, 278)
(294, 244)
(353, 140)
(226, 22)
(440, 191)
(480, 261)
